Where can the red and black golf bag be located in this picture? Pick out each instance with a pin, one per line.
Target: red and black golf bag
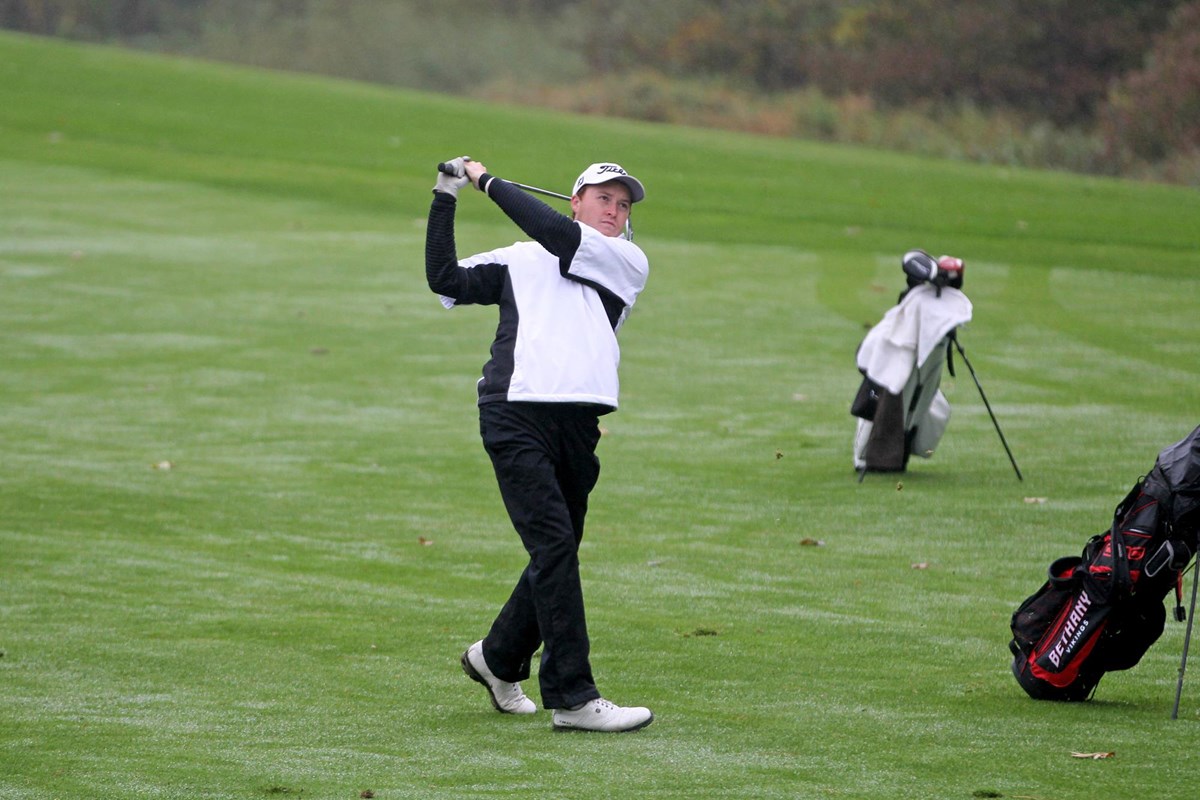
(1102, 610)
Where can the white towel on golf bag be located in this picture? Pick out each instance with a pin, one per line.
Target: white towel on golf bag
(909, 332)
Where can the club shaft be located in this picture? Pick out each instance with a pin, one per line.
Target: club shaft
(446, 169)
(536, 190)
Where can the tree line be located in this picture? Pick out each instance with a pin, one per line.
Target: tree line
(1111, 86)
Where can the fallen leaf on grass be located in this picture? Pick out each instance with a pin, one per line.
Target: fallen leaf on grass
(808, 541)
(421, 540)
(778, 454)
(900, 486)
(1094, 756)
(164, 465)
(1033, 500)
(367, 793)
(921, 565)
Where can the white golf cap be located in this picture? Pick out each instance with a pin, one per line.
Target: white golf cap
(603, 173)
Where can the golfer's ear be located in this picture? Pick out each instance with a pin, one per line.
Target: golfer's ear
(574, 206)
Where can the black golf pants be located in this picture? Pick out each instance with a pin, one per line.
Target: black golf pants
(544, 455)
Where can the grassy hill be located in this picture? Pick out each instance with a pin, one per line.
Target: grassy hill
(247, 526)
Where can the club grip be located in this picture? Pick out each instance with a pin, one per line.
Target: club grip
(447, 169)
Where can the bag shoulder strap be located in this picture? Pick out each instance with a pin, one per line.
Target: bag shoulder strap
(1121, 579)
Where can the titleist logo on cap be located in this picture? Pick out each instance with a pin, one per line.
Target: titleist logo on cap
(604, 172)
(595, 172)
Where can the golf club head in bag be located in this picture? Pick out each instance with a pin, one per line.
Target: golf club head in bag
(920, 267)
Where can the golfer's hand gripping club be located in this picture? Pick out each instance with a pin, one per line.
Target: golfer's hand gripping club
(452, 176)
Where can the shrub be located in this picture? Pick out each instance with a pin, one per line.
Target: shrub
(1155, 112)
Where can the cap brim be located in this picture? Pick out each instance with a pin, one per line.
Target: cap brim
(637, 192)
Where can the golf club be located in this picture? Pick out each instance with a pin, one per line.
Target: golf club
(445, 169)
(1003, 441)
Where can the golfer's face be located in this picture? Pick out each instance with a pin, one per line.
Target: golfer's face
(604, 207)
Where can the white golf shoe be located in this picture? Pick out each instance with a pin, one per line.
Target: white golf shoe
(506, 697)
(601, 715)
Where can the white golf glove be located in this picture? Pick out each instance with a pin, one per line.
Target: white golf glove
(451, 183)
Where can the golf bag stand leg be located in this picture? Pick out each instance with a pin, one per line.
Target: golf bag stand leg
(953, 335)
(1187, 641)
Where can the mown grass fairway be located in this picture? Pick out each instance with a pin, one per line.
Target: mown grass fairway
(247, 528)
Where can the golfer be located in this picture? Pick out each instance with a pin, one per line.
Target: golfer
(552, 374)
